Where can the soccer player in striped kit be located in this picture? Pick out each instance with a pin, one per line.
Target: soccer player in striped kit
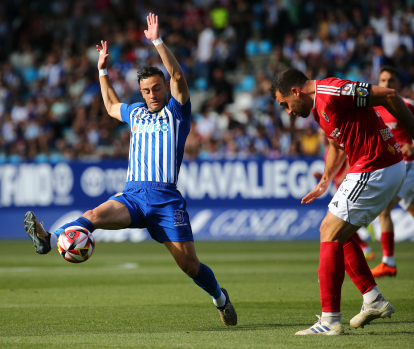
(159, 129)
(344, 110)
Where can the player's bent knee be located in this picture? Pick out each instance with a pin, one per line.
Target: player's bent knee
(94, 215)
(328, 234)
(190, 267)
(89, 215)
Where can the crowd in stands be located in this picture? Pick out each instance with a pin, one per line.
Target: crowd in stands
(230, 50)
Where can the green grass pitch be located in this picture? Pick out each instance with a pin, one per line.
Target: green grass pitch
(134, 296)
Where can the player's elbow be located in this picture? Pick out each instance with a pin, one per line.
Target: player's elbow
(177, 75)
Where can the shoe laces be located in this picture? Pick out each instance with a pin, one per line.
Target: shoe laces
(319, 321)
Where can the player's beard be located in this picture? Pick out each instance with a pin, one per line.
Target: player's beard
(302, 110)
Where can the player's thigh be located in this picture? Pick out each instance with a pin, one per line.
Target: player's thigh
(334, 228)
(167, 218)
(363, 196)
(109, 215)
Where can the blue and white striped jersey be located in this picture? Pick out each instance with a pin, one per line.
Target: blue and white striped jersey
(157, 140)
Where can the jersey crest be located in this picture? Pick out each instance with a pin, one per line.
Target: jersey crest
(325, 116)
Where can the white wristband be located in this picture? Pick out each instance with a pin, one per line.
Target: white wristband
(158, 41)
(103, 72)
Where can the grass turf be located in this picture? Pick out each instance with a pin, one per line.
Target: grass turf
(134, 296)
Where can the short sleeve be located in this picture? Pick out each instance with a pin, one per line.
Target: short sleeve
(346, 94)
(127, 111)
(181, 112)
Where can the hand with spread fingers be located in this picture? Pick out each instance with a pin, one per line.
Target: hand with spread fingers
(315, 193)
(152, 33)
(103, 54)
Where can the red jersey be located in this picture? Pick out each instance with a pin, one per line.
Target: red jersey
(340, 109)
(400, 134)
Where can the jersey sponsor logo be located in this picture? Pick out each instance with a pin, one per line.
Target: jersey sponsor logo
(119, 194)
(362, 92)
(386, 134)
(150, 128)
(335, 134)
(325, 116)
(391, 149)
(335, 204)
(179, 218)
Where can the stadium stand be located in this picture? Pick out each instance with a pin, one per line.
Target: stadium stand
(50, 104)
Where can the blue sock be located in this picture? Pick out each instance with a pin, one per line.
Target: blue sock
(81, 222)
(207, 281)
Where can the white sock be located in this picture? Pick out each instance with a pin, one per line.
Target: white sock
(220, 301)
(333, 318)
(53, 240)
(371, 295)
(388, 260)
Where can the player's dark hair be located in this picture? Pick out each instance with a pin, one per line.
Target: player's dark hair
(390, 70)
(287, 79)
(147, 72)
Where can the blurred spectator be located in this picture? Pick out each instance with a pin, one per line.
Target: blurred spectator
(390, 39)
(223, 91)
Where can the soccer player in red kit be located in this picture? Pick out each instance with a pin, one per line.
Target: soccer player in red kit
(337, 180)
(344, 110)
(389, 78)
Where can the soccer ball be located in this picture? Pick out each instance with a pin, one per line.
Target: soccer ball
(76, 244)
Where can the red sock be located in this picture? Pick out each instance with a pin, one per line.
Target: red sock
(359, 241)
(356, 266)
(387, 243)
(331, 275)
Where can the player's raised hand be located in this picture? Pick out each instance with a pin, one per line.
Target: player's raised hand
(152, 32)
(103, 54)
(315, 193)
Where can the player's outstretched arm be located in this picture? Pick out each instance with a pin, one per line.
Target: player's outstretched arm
(393, 102)
(179, 87)
(334, 161)
(110, 98)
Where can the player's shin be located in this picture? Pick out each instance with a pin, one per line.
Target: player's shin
(356, 266)
(81, 221)
(331, 276)
(207, 281)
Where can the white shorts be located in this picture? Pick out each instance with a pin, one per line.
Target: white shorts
(406, 193)
(363, 196)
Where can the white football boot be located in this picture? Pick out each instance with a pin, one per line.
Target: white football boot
(322, 328)
(380, 308)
